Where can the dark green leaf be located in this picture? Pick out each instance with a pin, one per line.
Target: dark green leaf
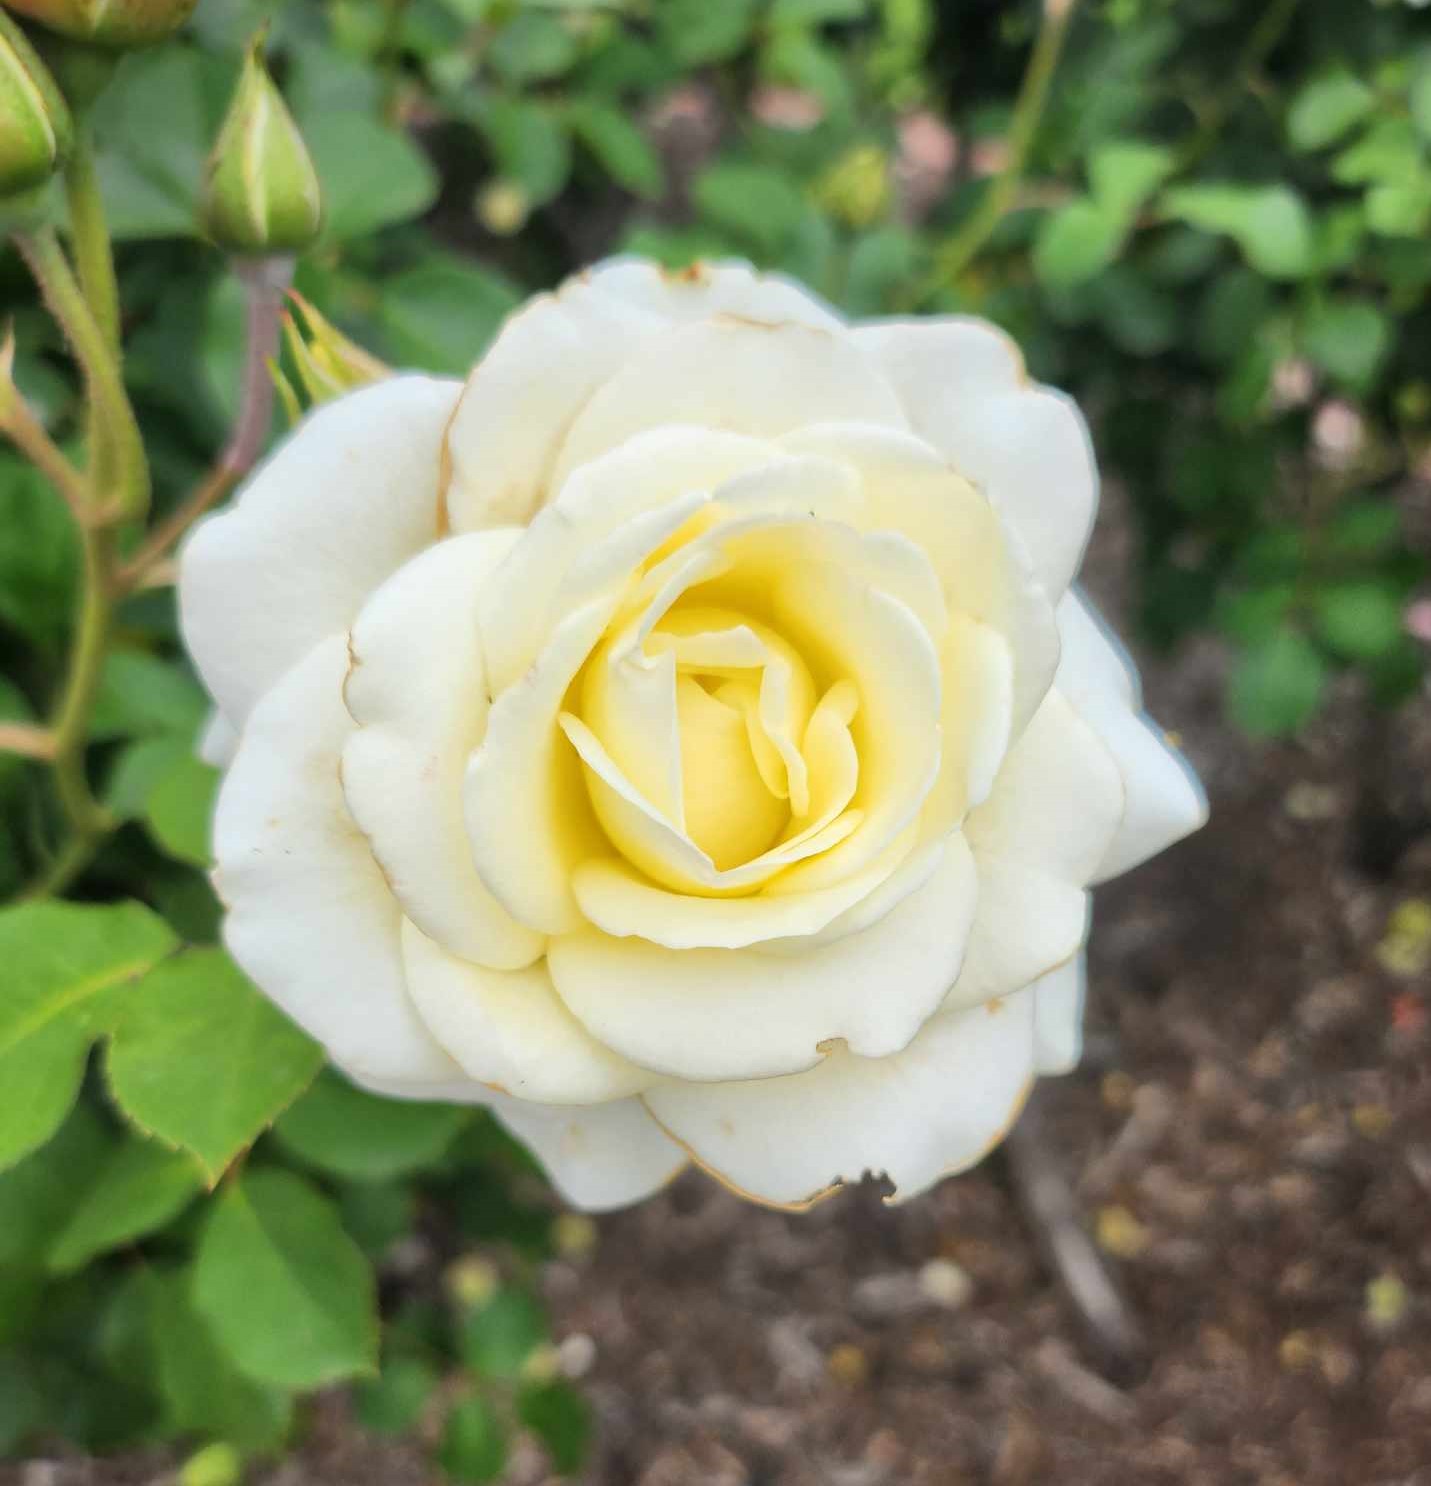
(1124, 173)
(203, 1391)
(287, 1293)
(372, 176)
(760, 204)
(1076, 242)
(38, 1194)
(441, 314)
(1349, 338)
(141, 694)
(340, 1129)
(393, 1402)
(474, 1442)
(561, 1418)
(499, 1336)
(696, 32)
(140, 1187)
(1326, 107)
(201, 1059)
(530, 144)
(623, 151)
(1359, 619)
(1276, 684)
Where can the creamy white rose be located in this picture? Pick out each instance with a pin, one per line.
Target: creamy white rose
(682, 737)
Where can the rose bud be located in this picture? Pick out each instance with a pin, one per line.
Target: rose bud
(683, 737)
(108, 23)
(35, 127)
(261, 191)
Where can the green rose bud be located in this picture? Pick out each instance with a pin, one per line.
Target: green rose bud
(35, 127)
(116, 23)
(261, 192)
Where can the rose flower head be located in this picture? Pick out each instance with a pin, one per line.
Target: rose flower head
(681, 737)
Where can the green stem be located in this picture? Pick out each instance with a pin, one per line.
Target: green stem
(965, 244)
(90, 236)
(126, 488)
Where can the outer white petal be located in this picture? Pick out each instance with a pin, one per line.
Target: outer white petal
(509, 1029)
(309, 915)
(1057, 801)
(922, 1114)
(342, 503)
(1164, 800)
(1028, 922)
(417, 690)
(739, 1014)
(1058, 1018)
(735, 374)
(705, 289)
(1028, 447)
(598, 1156)
(555, 352)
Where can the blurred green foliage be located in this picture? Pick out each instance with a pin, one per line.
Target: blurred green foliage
(1218, 243)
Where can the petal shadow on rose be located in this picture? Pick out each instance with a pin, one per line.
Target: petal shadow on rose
(682, 738)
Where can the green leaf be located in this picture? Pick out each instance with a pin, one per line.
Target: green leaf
(622, 150)
(64, 962)
(1276, 684)
(499, 1336)
(138, 1189)
(759, 203)
(153, 126)
(377, 1214)
(1269, 223)
(1326, 107)
(1400, 209)
(1350, 339)
(441, 314)
(880, 263)
(180, 808)
(532, 46)
(530, 144)
(39, 1193)
(561, 1418)
(1076, 242)
(139, 769)
(1388, 152)
(140, 695)
(1359, 619)
(337, 1128)
(695, 32)
(393, 1402)
(372, 176)
(474, 1442)
(199, 1058)
(817, 12)
(1418, 97)
(39, 556)
(203, 1392)
(1123, 174)
(288, 1294)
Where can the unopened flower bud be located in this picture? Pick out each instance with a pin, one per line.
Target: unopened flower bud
(261, 191)
(113, 23)
(35, 127)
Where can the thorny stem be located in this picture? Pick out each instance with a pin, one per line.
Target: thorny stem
(124, 488)
(964, 246)
(264, 281)
(19, 423)
(94, 257)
